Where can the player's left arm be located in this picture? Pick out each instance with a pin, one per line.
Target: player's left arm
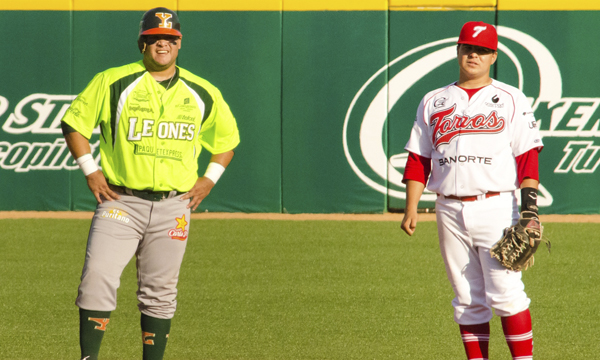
(217, 165)
(527, 143)
(528, 175)
(220, 136)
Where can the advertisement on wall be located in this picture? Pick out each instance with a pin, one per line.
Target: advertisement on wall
(325, 116)
(60, 51)
(379, 118)
(33, 115)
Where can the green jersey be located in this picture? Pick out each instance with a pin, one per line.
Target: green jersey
(152, 134)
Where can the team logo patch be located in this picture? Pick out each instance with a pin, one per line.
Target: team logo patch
(165, 23)
(179, 233)
(478, 30)
(186, 101)
(186, 117)
(494, 102)
(533, 124)
(116, 214)
(82, 99)
(102, 322)
(141, 95)
(447, 127)
(185, 107)
(439, 102)
(146, 337)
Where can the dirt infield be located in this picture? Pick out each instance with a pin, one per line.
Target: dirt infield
(273, 216)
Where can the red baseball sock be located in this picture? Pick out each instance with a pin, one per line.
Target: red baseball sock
(519, 337)
(476, 339)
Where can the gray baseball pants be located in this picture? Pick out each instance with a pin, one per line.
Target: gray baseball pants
(156, 233)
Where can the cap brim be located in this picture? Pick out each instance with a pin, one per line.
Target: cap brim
(157, 31)
(476, 44)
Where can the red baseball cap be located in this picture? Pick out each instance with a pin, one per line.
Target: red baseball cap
(479, 33)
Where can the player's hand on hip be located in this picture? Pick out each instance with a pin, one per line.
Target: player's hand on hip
(198, 192)
(99, 187)
(409, 222)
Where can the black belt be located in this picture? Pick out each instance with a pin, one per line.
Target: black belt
(146, 194)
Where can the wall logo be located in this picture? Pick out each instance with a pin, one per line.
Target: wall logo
(37, 115)
(372, 145)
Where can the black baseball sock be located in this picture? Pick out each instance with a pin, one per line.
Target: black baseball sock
(92, 325)
(155, 333)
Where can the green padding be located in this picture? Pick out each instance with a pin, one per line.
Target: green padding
(309, 92)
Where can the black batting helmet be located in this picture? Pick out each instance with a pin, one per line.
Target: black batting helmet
(159, 20)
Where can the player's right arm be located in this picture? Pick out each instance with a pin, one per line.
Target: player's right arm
(77, 125)
(414, 190)
(416, 173)
(80, 146)
(220, 136)
(417, 169)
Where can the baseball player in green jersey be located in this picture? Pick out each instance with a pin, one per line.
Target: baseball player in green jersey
(155, 118)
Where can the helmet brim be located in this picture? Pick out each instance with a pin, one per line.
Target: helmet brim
(157, 31)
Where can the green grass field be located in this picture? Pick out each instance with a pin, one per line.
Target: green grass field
(259, 289)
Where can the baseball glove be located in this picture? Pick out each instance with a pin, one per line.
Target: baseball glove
(518, 244)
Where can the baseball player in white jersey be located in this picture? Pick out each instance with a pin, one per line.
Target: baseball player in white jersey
(475, 142)
(155, 118)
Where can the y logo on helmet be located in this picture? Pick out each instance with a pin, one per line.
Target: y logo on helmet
(379, 119)
(164, 17)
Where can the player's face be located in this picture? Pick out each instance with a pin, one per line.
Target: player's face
(475, 61)
(161, 51)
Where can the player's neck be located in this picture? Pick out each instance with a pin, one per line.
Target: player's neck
(473, 83)
(160, 74)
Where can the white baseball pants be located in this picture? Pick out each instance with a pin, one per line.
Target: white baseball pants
(467, 231)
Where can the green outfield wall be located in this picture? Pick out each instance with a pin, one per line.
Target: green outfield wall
(325, 93)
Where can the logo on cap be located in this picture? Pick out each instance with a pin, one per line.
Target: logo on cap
(164, 17)
(478, 33)
(478, 30)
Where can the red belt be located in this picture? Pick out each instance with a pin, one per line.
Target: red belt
(471, 198)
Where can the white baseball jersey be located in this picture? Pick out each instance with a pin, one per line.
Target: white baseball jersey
(473, 142)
